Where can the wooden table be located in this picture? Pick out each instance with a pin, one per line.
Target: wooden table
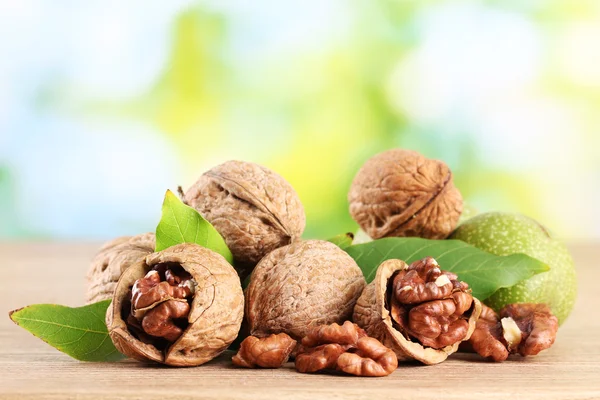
(53, 273)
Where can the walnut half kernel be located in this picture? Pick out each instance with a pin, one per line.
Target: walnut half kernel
(182, 306)
(521, 328)
(345, 348)
(269, 352)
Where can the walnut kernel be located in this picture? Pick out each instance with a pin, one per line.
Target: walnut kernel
(269, 352)
(345, 348)
(521, 328)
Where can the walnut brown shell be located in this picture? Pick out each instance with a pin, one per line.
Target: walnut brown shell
(302, 285)
(372, 314)
(112, 259)
(214, 318)
(252, 207)
(401, 193)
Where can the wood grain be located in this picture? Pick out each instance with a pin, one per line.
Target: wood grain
(53, 273)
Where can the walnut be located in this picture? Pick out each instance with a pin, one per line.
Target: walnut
(252, 207)
(110, 262)
(345, 348)
(182, 306)
(370, 359)
(520, 328)
(323, 345)
(304, 284)
(401, 193)
(419, 311)
(269, 352)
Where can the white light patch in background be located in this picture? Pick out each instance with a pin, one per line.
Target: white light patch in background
(528, 133)
(117, 53)
(468, 53)
(110, 180)
(265, 29)
(103, 48)
(579, 53)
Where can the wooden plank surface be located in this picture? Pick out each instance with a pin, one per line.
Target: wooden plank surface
(53, 273)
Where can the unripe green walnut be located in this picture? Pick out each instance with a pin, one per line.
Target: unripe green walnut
(505, 233)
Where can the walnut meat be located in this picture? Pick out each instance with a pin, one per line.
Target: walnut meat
(182, 306)
(521, 328)
(305, 284)
(269, 352)
(401, 193)
(371, 358)
(344, 348)
(419, 311)
(486, 339)
(252, 207)
(110, 262)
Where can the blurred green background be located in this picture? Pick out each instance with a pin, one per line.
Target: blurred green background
(104, 104)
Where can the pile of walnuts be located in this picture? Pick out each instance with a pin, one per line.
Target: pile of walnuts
(306, 299)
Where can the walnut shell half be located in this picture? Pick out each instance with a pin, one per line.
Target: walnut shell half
(302, 285)
(372, 314)
(401, 193)
(214, 318)
(252, 207)
(112, 259)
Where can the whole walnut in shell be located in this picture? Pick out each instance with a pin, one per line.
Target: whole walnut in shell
(302, 285)
(401, 193)
(112, 259)
(252, 207)
(419, 311)
(182, 306)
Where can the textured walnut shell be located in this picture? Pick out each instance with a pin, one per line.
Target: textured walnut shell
(371, 314)
(215, 316)
(112, 259)
(401, 193)
(252, 207)
(302, 285)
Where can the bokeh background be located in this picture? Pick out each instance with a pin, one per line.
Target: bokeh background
(105, 104)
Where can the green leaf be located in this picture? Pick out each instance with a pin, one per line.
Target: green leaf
(342, 240)
(79, 332)
(183, 224)
(484, 272)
